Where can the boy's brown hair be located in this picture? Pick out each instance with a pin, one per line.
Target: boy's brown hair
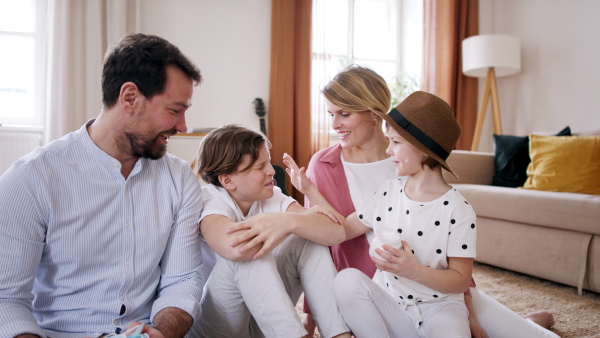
(222, 151)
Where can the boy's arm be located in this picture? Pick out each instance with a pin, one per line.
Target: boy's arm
(270, 229)
(214, 230)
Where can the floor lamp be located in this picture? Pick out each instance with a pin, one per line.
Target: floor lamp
(490, 56)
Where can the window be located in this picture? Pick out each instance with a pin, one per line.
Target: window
(21, 62)
(386, 35)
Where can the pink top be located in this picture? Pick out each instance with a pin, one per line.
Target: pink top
(326, 172)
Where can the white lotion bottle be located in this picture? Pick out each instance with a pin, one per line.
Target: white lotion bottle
(384, 236)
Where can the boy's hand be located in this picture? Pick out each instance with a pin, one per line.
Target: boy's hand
(267, 228)
(335, 216)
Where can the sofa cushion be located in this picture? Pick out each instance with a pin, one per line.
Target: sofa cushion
(561, 210)
(566, 164)
(472, 167)
(512, 158)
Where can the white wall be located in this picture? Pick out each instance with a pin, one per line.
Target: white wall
(230, 41)
(559, 82)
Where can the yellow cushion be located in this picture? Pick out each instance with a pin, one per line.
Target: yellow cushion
(564, 163)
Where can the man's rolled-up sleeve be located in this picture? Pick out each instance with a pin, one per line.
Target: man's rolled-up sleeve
(181, 283)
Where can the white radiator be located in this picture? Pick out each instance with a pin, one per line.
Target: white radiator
(15, 144)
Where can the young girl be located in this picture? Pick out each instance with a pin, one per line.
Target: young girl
(265, 280)
(417, 290)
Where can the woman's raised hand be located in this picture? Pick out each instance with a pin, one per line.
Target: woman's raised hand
(297, 175)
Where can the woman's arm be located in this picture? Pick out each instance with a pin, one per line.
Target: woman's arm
(402, 262)
(476, 329)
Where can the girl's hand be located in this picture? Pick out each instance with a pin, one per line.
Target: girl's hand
(335, 216)
(401, 262)
(297, 175)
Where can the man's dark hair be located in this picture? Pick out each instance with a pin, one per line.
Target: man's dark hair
(143, 60)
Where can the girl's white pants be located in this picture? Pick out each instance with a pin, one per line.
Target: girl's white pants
(371, 311)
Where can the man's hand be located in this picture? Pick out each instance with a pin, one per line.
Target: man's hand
(152, 332)
(170, 322)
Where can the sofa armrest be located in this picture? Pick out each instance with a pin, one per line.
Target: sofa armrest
(472, 167)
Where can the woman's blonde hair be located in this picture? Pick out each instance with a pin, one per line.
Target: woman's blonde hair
(222, 151)
(359, 89)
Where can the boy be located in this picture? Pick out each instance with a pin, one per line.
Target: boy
(266, 280)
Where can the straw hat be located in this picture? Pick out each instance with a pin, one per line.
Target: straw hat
(428, 123)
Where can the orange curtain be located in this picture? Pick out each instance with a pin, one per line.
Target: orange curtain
(290, 125)
(447, 23)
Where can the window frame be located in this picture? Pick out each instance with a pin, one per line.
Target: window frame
(39, 64)
(408, 70)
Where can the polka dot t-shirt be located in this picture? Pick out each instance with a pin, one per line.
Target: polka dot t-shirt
(435, 230)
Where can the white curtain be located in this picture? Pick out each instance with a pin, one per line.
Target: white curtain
(78, 34)
(324, 66)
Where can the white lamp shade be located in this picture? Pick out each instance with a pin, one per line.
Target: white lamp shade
(480, 52)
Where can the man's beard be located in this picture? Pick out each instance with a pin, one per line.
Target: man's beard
(152, 149)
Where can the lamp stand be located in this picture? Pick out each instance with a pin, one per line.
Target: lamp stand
(490, 88)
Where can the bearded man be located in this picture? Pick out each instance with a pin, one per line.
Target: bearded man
(99, 229)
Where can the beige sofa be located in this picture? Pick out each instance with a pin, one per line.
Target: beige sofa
(551, 235)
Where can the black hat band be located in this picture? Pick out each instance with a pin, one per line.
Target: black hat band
(418, 134)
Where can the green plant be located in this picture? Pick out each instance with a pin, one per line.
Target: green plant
(402, 86)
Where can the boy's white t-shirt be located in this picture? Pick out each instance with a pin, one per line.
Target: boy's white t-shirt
(364, 179)
(435, 230)
(217, 201)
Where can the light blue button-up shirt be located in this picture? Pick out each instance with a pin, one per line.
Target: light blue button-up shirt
(78, 241)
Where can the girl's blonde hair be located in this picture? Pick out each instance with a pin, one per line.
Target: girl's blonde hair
(359, 89)
(222, 151)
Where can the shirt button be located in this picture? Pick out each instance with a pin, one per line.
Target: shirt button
(127, 225)
(116, 322)
(126, 263)
(121, 297)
